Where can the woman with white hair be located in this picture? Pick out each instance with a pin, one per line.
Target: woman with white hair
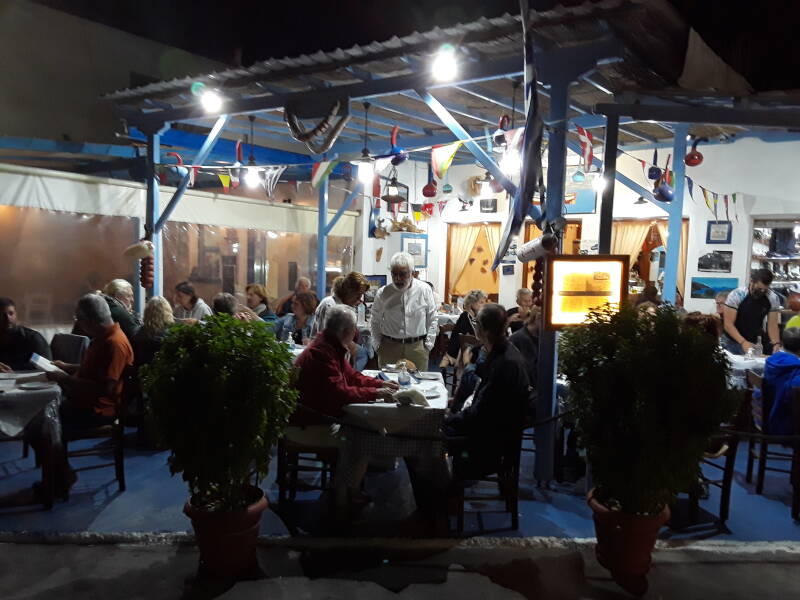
(518, 316)
(473, 302)
(403, 319)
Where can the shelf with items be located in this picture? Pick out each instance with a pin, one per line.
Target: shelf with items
(755, 257)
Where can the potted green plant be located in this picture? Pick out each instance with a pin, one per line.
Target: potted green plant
(649, 391)
(220, 394)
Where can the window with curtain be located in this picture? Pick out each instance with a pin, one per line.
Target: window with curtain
(470, 252)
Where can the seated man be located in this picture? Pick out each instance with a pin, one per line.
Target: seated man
(303, 286)
(496, 412)
(781, 374)
(17, 343)
(526, 340)
(93, 389)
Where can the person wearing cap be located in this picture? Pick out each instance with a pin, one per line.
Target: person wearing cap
(746, 308)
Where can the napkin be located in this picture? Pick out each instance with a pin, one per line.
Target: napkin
(408, 397)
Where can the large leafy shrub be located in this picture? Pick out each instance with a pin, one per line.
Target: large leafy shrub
(648, 391)
(220, 394)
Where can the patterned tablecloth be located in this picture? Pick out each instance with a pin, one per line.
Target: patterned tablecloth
(412, 421)
(20, 407)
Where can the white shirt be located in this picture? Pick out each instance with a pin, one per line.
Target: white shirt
(321, 313)
(409, 313)
(200, 310)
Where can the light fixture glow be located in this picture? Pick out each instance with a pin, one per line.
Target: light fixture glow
(252, 178)
(445, 67)
(511, 163)
(599, 184)
(366, 172)
(391, 189)
(272, 235)
(211, 101)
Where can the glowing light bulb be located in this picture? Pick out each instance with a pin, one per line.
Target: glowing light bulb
(599, 184)
(366, 172)
(272, 235)
(252, 178)
(445, 67)
(391, 189)
(511, 163)
(211, 101)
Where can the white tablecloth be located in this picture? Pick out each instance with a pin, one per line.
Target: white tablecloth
(413, 423)
(445, 319)
(19, 407)
(740, 364)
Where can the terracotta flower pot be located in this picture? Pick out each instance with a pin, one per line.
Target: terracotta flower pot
(227, 540)
(625, 543)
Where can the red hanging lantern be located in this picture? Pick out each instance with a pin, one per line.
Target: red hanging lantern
(694, 158)
(429, 191)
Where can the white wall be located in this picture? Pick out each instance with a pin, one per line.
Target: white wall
(56, 67)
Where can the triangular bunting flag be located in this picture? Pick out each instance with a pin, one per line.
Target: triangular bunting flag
(442, 158)
(320, 171)
(644, 168)
(225, 180)
(234, 177)
(725, 201)
(587, 147)
(735, 212)
(442, 204)
(716, 201)
(708, 202)
(690, 185)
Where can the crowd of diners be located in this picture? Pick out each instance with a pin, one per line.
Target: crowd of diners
(497, 373)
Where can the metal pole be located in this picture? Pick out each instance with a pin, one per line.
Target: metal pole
(152, 208)
(610, 177)
(545, 435)
(322, 237)
(675, 210)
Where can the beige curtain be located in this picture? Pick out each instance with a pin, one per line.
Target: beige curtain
(662, 231)
(493, 235)
(462, 239)
(627, 237)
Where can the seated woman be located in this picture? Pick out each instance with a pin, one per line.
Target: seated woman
(347, 291)
(189, 308)
(258, 303)
(518, 315)
(298, 324)
(465, 325)
(147, 341)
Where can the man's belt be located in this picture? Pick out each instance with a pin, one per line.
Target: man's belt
(406, 340)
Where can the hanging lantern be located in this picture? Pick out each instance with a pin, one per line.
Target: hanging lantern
(447, 188)
(694, 158)
(430, 190)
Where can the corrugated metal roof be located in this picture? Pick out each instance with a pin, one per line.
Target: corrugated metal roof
(483, 34)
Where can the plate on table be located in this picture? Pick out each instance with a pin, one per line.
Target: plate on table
(36, 385)
(9, 375)
(427, 376)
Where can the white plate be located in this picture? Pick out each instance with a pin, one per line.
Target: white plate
(36, 385)
(428, 376)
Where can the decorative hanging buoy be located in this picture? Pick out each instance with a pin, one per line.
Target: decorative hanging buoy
(695, 157)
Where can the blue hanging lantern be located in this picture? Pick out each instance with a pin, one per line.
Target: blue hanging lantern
(654, 173)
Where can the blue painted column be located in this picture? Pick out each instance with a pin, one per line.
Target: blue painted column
(322, 238)
(675, 214)
(152, 208)
(546, 405)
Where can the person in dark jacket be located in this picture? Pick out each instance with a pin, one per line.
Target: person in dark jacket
(518, 315)
(495, 415)
(147, 341)
(526, 341)
(17, 343)
(118, 294)
(781, 375)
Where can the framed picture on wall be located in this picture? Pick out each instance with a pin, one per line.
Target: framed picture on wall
(718, 261)
(719, 232)
(416, 244)
(488, 205)
(709, 287)
(376, 282)
(402, 207)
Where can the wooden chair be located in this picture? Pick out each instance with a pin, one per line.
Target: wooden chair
(758, 449)
(729, 444)
(114, 432)
(507, 479)
(295, 458)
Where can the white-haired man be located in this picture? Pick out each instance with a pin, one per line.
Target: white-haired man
(403, 322)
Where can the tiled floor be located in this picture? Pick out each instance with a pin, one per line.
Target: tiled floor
(153, 503)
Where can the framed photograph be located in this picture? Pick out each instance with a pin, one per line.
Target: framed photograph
(578, 284)
(416, 244)
(718, 261)
(488, 205)
(402, 207)
(719, 232)
(376, 282)
(508, 269)
(708, 287)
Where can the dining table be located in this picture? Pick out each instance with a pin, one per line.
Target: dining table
(740, 364)
(29, 409)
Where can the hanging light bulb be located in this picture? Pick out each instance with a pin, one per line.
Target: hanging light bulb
(445, 67)
(366, 171)
(511, 163)
(252, 178)
(599, 183)
(211, 101)
(391, 189)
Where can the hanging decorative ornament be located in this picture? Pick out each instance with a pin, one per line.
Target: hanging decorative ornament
(662, 191)
(430, 190)
(654, 173)
(499, 137)
(695, 157)
(442, 204)
(465, 204)
(578, 176)
(447, 188)
(427, 209)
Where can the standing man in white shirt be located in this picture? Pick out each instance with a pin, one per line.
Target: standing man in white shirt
(403, 321)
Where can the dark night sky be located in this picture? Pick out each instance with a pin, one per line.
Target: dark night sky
(755, 37)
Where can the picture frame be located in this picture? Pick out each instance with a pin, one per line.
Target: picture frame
(719, 232)
(416, 244)
(376, 282)
(716, 261)
(488, 205)
(402, 207)
(707, 288)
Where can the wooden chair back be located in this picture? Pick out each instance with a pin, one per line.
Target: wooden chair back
(759, 411)
(466, 340)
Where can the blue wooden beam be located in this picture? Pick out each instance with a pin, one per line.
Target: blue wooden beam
(483, 157)
(53, 146)
(675, 216)
(199, 160)
(354, 193)
(486, 96)
(322, 237)
(459, 109)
